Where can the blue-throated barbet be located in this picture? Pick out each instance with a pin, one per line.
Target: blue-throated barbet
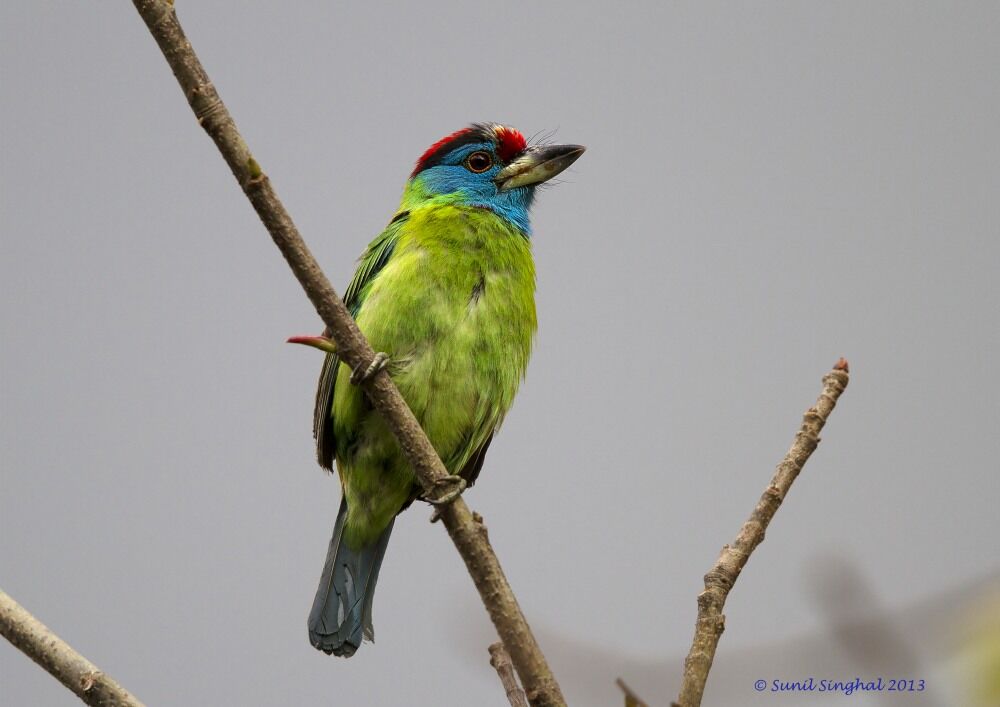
(446, 292)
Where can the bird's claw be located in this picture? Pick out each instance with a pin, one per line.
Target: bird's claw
(359, 376)
(446, 490)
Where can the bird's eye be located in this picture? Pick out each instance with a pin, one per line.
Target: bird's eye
(479, 162)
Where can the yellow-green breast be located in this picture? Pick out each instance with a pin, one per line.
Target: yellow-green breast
(454, 309)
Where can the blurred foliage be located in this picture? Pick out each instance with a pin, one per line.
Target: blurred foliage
(978, 660)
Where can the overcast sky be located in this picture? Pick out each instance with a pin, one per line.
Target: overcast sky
(767, 187)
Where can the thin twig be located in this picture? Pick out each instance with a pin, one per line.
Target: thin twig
(34, 639)
(631, 698)
(467, 532)
(500, 660)
(720, 579)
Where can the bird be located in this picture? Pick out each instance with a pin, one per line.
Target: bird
(446, 295)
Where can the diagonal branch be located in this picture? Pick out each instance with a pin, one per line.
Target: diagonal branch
(35, 640)
(720, 579)
(467, 531)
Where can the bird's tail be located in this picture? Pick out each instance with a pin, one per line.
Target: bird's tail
(342, 610)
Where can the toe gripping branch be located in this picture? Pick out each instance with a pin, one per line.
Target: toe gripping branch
(446, 490)
(359, 376)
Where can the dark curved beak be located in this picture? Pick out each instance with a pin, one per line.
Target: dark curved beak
(537, 164)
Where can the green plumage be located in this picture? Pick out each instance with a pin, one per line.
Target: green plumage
(447, 291)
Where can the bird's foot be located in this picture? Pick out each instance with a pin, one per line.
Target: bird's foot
(446, 490)
(359, 376)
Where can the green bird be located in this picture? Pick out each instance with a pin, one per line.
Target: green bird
(446, 293)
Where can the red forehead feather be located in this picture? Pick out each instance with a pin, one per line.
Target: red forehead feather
(509, 142)
(429, 152)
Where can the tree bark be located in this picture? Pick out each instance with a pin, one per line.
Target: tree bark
(35, 640)
(500, 660)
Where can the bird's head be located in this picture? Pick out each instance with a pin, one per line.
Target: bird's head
(489, 166)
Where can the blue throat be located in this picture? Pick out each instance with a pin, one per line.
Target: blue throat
(512, 205)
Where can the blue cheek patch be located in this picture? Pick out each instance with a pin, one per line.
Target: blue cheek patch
(451, 178)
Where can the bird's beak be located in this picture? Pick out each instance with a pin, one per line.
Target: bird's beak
(537, 164)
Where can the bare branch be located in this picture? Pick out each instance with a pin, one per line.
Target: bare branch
(34, 639)
(631, 698)
(467, 532)
(500, 660)
(720, 579)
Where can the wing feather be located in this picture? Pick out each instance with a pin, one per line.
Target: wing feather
(372, 261)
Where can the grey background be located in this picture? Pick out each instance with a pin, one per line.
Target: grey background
(767, 187)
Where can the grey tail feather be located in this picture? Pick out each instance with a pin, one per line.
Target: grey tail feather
(341, 614)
